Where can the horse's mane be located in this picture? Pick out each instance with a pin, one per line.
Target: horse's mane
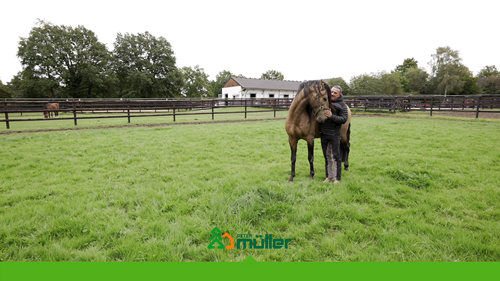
(306, 86)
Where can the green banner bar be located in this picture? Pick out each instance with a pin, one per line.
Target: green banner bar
(248, 270)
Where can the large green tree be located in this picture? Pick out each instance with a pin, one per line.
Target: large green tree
(272, 75)
(407, 64)
(470, 85)
(403, 68)
(491, 85)
(64, 61)
(379, 83)
(215, 86)
(490, 80)
(391, 83)
(5, 92)
(417, 80)
(220, 80)
(366, 84)
(346, 90)
(447, 71)
(195, 82)
(146, 66)
(488, 71)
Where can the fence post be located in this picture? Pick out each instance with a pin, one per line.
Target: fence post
(173, 102)
(213, 104)
(245, 109)
(432, 104)
(74, 112)
(6, 115)
(128, 110)
(274, 105)
(477, 107)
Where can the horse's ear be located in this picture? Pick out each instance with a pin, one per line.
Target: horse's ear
(321, 85)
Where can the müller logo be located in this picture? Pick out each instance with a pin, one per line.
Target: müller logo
(244, 240)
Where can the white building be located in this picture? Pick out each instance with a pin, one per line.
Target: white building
(241, 88)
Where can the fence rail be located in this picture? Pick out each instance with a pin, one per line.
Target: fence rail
(133, 108)
(130, 108)
(475, 104)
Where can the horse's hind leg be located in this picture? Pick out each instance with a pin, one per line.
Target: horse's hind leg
(346, 150)
(293, 147)
(310, 157)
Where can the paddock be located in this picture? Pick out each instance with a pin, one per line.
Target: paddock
(419, 190)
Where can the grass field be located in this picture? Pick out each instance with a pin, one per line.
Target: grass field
(419, 190)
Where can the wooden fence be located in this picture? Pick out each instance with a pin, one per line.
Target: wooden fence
(475, 104)
(134, 108)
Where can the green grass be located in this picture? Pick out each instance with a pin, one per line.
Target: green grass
(419, 190)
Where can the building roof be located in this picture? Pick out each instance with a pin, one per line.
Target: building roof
(250, 83)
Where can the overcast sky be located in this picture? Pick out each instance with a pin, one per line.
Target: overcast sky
(304, 40)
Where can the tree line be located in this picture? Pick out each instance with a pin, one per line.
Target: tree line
(65, 62)
(448, 76)
(61, 61)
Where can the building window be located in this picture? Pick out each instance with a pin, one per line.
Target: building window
(253, 95)
(285, 96)
(271, 95)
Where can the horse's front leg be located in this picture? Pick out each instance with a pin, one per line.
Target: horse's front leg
(310, 157)
(293, 147)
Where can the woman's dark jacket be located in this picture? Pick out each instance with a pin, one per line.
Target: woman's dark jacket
(333, 125)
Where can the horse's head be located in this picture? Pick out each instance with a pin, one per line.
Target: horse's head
(46, 113)
(319, 99)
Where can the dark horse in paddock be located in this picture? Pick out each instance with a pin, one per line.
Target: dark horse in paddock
(306, 112)
(52, 110)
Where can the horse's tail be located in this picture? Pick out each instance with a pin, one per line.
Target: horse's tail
(346, 146)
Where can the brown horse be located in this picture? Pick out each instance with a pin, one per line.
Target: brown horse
(53, 110)
(306, 112)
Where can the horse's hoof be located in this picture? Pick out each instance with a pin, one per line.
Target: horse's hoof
(347, 170)
(290, 181)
